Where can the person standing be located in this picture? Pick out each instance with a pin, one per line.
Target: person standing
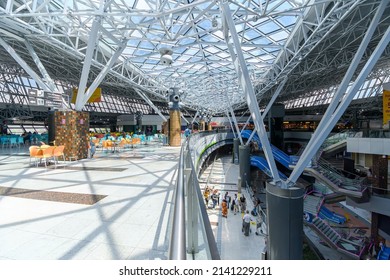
(92, 148)
(206, 196)
(236, 205)
(224, 208)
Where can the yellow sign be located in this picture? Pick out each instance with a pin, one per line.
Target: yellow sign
(386, 106)
(95, 97)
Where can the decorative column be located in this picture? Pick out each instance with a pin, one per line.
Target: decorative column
(285, 222)
(71, 129)
(202, 125)
(174, 119)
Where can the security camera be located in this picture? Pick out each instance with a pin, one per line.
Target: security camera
(176, 98)
(166, 59)
(166, 56)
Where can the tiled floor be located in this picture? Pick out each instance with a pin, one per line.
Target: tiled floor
(130, 222)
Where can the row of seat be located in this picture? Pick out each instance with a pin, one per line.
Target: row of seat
(46, 152)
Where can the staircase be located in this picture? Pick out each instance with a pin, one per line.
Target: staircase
(329, 235)
(311, 204)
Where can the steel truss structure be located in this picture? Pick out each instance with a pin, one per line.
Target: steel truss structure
(118, 45)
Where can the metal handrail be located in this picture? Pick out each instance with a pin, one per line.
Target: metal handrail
(177, 248)
(212, 244)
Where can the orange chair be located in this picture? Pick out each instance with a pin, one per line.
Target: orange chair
(34, 150)
(46, 154)
(58, 152)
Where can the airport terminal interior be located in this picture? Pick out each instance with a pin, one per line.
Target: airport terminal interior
(194, 129)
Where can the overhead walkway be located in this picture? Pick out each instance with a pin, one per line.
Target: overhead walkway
(338, 142)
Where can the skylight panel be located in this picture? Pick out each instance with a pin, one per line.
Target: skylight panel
(128, 52)
(218, 34)
(223, 55)
(209, 38)
(205, 24)
(212, 50)
(262, 41)
(282, 35)
(268, 27)
(136, 34)
(141, 52)
(287, 20)
(257, 52)
(146, 45)
(142, 5)
(137, 19)
(251, 34)
(267, 57)
(138, 60)
(192, 51)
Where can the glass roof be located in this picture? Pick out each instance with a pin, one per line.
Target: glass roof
(190, 33)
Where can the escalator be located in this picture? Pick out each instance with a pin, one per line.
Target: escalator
(321, 170)
(262, 164)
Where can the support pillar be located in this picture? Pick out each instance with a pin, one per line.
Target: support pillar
(209, 127)
(379, 173)
(202, 126)
(71, 129)
(174, 118)
(236, 144)
(174, 128)
(285, 222)
(245, 167)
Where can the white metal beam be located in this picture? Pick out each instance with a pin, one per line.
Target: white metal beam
(41, 67)
(24, 65)
(269, 105)
(92, 42)
(351, 70)
(144, 97)
(304, 160)
(102, 74)
(249, 91)
(231, 125)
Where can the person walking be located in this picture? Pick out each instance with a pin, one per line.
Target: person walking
(246, 223)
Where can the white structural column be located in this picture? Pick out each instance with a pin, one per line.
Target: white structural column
(235, 123)
(231, 125)
(274, 96)
(348, 76)
(304, 160)
(269, 105)
(92, 41)
(144, 97)
(24, 65)
(196, 114)
(248, 89)
(246, 123)
(41, 67)
(102, 74)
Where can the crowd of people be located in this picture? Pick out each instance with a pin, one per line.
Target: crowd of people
(236, 204)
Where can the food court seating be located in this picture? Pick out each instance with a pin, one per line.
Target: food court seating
(58, 152)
